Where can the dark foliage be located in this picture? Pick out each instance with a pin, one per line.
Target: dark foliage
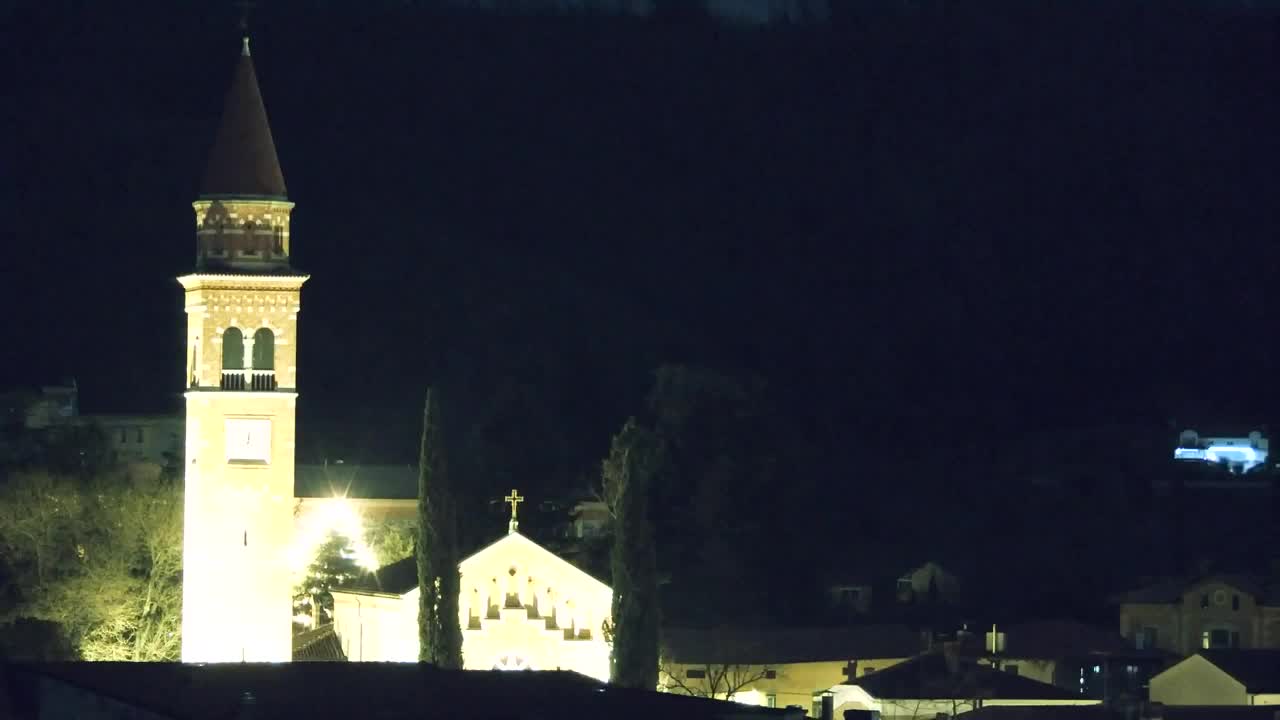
(439, 631)
(626, 473)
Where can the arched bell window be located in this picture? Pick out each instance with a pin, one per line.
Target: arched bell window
(232, 359)
(232, 349)
(264, 349)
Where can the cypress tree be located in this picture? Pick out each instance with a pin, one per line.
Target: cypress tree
(626, 473)
(439, 632)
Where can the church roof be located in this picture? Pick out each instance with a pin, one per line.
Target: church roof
(516, 537)
(243, 160)
(363, 482)
(401, 576)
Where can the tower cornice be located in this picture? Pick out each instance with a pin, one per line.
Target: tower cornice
(232, 281)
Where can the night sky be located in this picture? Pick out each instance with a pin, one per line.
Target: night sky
(918, 227)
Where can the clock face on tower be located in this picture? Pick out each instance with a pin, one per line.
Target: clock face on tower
(249, 440)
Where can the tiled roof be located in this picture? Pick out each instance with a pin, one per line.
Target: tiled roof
(1170, 590)
(1257, 670)
(365, 482)
(318, 645)
(243, 160)
(320, 691)
(1057, 639)
(930, 676)
(790, 645)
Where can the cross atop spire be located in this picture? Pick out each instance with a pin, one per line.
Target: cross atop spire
(246, 6)
(515, 499)
(243, 162)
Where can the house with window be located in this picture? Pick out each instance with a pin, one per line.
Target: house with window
(946, 683)
(1089, 661)
(778, 667)
(142, 439)
(1221, 677)
(894, 592)
(1211, 612)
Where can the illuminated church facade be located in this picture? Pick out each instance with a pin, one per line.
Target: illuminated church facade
(521, 608)
(244, 529)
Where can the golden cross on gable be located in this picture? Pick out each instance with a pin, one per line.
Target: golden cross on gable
(515, 500)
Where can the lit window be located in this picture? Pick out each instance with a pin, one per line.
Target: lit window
(1219, 638)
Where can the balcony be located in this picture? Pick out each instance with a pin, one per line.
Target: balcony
(250, 380)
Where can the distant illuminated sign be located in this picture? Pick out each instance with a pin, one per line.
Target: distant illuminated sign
(1240, 454)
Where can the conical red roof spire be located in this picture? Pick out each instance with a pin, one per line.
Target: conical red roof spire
(243, 161)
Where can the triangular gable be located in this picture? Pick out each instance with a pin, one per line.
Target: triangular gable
(1194, 670)
(497, 547)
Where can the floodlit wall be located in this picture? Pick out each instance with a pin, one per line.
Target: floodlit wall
(520, 607)
(792, 684)
(1196, 681)
(239, 460)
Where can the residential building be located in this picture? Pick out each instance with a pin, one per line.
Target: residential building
(590, 518)
(944, 682)
(141, 439)
(1211, 612)
(888, 593)
(1239, 454)
(779, 666)
(1221, 677)
(1089, 661)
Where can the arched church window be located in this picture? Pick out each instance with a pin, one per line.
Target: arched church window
(232, 349)
(264, 354)
(264, 349)
(232, 359)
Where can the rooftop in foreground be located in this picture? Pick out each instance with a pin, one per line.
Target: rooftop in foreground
(319, 690)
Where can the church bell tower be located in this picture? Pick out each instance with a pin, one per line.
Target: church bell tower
(242, 306)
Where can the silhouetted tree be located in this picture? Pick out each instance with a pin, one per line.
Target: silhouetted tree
(626, 476)
(439, 631)
(334, 565)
